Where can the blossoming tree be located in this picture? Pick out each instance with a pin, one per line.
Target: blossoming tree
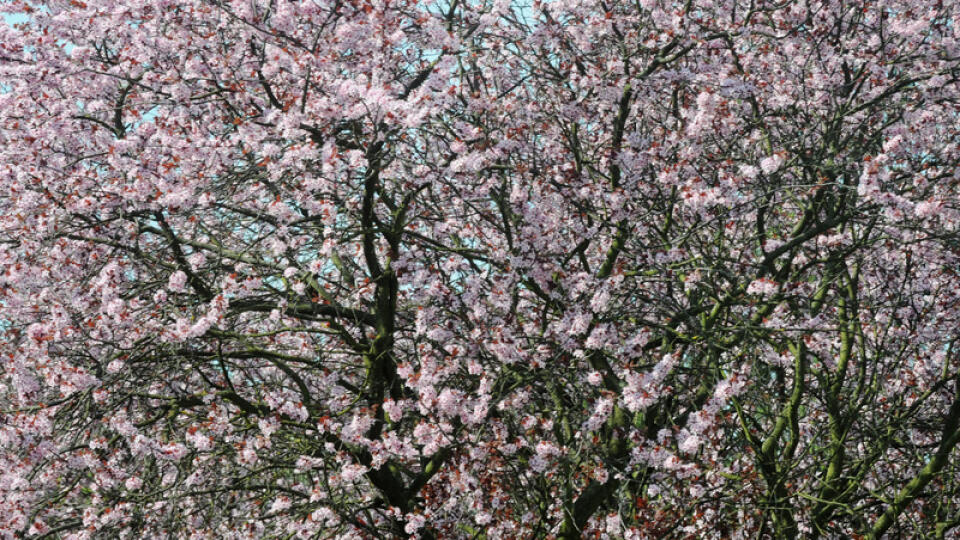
(479, 269)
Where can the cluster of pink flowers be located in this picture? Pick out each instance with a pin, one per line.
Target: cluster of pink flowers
(566, 269)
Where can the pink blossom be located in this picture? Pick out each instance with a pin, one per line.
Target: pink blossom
(763, 287)
(177, 281)
(770, 164)
(415, 522)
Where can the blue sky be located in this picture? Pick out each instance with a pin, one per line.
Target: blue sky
(13, 19)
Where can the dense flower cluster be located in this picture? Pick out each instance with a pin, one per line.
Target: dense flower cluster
(479, 269)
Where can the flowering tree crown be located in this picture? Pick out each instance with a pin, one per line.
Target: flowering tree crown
(479, 269)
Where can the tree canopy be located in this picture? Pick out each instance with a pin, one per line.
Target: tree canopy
(479, 269)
